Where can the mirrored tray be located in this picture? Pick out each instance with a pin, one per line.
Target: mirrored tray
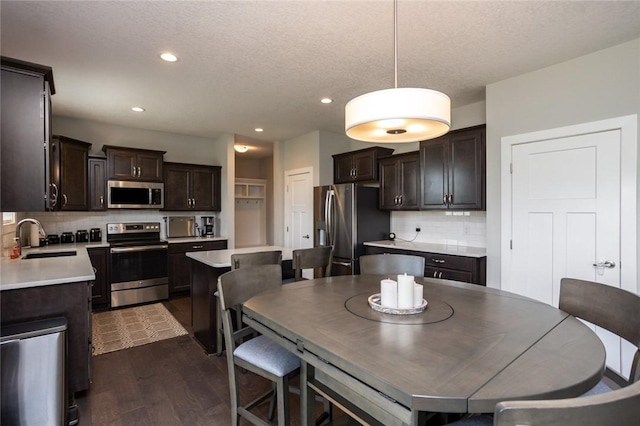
(374, 303)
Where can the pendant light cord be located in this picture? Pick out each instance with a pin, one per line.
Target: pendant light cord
(395, 40)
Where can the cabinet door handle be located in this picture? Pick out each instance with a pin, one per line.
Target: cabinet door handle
(194, 202)
(102, 200)
(54, 196)
(139, 172)
(444, 199)
(440, 275)
(196, 247)
(437, 260)
(450, 197)
(434, 274)
(64, 200)
(400, 199)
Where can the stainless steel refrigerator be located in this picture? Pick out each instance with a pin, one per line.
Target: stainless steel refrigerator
(345, 216)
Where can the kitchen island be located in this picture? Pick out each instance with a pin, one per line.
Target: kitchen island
(206, 267)
(34, 289)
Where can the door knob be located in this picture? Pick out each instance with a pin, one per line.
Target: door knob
(306, 236)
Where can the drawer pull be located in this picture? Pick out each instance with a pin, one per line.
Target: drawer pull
(437, 260)
(197, 247)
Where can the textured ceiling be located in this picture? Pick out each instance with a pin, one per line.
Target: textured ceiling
(248, 64)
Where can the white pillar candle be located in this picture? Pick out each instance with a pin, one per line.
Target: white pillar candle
(389, 293)
(405, 291)
(417, 295)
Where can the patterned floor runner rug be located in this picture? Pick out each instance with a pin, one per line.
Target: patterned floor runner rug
(126, 328)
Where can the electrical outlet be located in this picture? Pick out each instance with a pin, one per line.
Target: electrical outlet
(417, 229)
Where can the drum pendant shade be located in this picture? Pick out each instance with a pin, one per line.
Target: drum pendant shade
(398, 115)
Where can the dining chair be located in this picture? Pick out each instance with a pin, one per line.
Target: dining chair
(316, 257)
(243, 260)
(392, 264)
(259, 355)
(607, 307)
(618, 407)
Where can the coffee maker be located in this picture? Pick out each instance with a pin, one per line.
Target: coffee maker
(208, 226)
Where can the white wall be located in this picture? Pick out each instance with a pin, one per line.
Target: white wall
(597, 86)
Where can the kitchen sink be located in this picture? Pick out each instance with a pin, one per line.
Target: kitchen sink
(44, 254)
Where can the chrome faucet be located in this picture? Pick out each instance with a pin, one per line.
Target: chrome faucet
(19, 229)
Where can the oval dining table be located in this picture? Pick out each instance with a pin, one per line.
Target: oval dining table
(471, 348)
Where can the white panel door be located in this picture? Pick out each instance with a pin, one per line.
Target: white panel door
(299, 211)
(566, 212)
(565, 217)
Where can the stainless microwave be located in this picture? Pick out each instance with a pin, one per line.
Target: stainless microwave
(122, 194)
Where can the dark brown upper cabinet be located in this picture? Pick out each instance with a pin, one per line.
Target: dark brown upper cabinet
(25, 135)
(358, 166)
(400, 182)
(134, 164)
(97, 183)
(453, 170)
(192, 187)
(69, 174)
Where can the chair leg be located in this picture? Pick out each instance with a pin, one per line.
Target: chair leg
(272, 403)
(282, 399)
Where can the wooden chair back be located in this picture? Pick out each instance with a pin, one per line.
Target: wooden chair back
(316, 257)
(243, 260)
(608, 307)
(618, 407)
(392, 264)
(237, 286)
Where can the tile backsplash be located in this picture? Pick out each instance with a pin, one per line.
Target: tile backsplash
(451, 228)
(59, 222)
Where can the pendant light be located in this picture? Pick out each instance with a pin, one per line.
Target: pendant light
(400, 114)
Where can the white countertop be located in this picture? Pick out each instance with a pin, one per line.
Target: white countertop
(454, 250)
(25, 273)
(222, 258)
(176, 240)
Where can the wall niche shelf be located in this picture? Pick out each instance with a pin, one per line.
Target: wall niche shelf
(250, 189)
(250, 212)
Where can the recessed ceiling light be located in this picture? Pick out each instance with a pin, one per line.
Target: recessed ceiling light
(169, 57)
(259, 129)
(137, 109)
(326, 100)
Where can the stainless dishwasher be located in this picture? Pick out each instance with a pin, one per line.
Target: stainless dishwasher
(34, 377)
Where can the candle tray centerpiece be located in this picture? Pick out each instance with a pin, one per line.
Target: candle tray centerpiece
(375, 304)
(401, 297)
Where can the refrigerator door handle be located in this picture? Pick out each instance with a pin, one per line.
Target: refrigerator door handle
(328, 213)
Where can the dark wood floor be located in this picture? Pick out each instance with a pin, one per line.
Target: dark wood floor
(171, 382)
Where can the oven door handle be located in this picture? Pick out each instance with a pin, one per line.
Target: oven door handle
(138, 248)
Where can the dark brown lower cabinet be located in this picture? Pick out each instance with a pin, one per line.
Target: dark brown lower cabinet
(101, 290)
(180, 265)
(445, 266)
(72, 301)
